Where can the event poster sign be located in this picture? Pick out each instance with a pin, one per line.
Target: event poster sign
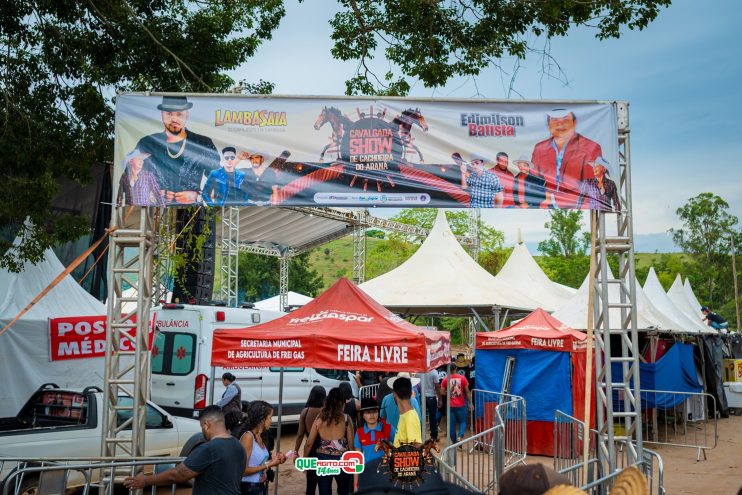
(84, 337)
(222, 150)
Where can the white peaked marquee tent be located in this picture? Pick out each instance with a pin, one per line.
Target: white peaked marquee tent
(653, 289)
(679, 296)
(691, 296)
(573, 313)
(274, 303)
(24, 348)
(441, 278)
(523, 273)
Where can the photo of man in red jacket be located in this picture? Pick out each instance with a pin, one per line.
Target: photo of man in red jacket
(563, 160)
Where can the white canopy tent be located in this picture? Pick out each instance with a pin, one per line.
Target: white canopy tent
(24, 348)
(521, 272)
(274, 303)
(653, 289)
(679, 296)
(691, 295)
(573, 313)
(441, 278)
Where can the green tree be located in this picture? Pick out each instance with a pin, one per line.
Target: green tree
(489, 237)
(566, 236)
(64, 60)
(706, 235)
(260, 276)
(388, 255)
(435, 41)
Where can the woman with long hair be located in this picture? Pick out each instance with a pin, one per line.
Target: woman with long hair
(312, 408)
(335, 432)
(254, 481)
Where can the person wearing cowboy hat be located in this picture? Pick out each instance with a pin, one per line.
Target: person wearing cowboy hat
(562, 159)
(528, 188)
(485, 190)
(138, 186)
(370, 433)
(179, 158)
(260, 179)
(601, 191)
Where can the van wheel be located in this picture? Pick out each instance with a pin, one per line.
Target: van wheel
(193, 442)
(29, 486)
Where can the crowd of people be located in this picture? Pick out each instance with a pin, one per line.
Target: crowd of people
(238, 456)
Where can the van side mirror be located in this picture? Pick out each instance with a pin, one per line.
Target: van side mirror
(166, 423)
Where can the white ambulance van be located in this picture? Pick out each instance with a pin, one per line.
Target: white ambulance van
(181, 363)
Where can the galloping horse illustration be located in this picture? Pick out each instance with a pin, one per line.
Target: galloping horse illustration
(338, 122)
(405, 121)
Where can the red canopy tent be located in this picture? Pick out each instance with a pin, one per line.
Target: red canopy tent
(539, 331)
(344, 328)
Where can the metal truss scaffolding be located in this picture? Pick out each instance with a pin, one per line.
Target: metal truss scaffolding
(283, 282)
(126, 374)
(618, 400)
(163, 258)
(359, 247)
(475, 218)
(230, 248)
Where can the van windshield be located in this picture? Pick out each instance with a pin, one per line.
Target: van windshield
(173, 353)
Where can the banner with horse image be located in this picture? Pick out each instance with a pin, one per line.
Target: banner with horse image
(234, 150)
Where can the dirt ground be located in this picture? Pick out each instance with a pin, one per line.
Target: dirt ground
(719, 474)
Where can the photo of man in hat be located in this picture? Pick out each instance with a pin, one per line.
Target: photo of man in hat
(528, 188)
(562, 159)
(601, 191)
(260, 179)
(179, 158)
(137, 186)
(485, 190)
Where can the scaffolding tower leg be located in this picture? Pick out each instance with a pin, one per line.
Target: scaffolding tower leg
(617, 370)
(283, 282)
(126, 373)
(359, 246)
(230, 249)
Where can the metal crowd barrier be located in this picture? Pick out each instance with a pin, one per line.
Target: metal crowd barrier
(680, 419)
(569, 438)
(368, 391)
(470, 464)
(491, 408)
(47, 476)
(497, 443)
(569, 441)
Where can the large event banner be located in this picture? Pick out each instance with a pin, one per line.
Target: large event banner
(224, 150)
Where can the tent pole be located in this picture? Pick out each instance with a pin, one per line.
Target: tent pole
(278, 433)
(479, 319)
(589, 351)
(423, 400)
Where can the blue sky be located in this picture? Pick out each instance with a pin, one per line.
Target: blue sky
(682, 76)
